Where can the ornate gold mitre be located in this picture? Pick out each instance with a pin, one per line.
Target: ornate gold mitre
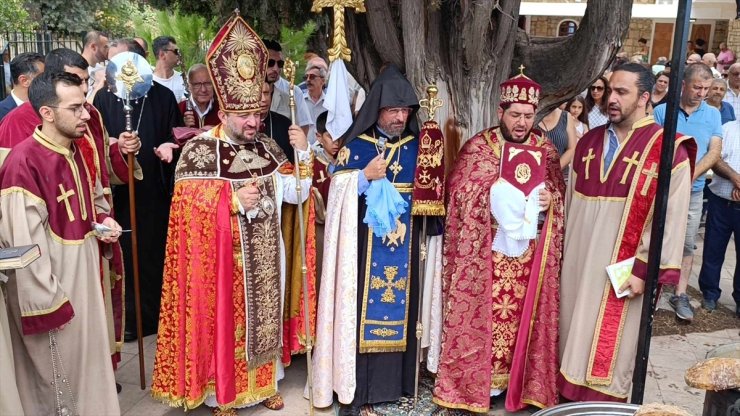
(237, 63)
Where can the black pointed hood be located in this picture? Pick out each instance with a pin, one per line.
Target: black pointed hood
(390, 89)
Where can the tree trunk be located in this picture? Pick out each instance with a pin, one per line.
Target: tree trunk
(469, 47)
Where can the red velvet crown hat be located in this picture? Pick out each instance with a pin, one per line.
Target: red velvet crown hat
(237, 63)
(520, 89)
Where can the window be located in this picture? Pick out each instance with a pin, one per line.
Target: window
(567, 28)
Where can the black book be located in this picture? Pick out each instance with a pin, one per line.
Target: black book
(18, 257)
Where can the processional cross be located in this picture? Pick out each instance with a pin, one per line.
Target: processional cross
(339, 48)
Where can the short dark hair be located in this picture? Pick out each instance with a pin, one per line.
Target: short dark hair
(131, 45)
(92, 37)
(272, 45)
(43, 90)
(697, 70)
(700, 42)
(642, 40)
(160, 43)
(645, 77)
(25, 63)
(321, 122)
(57, 59)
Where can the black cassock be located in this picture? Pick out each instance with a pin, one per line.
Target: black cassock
(276, 127)
(153, 117)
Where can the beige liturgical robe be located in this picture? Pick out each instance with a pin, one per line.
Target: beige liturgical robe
(45, 199)
(10, 401)
(594, 222)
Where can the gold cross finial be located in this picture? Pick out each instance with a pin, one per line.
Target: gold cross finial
(339, 48)
(431, 103)
(521, 69)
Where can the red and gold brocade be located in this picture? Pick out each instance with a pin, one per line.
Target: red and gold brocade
(486, 296)
(203, 301)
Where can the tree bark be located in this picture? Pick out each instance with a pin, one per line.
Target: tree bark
(469, 47)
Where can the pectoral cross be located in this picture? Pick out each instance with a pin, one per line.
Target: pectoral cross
(339, 49)
(588, 158)
(389, 284)
(64, 196)
(651, 174)
(631, 162)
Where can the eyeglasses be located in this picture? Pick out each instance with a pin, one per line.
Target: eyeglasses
(597, 88)
(201, 85)
(397, 110)
(272, 62)
(77, 110)
(175, 51)
(311, 77)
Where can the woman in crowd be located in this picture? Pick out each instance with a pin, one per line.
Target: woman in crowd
(660, 90)
(596, 102)
(576, 107)
(560, 128)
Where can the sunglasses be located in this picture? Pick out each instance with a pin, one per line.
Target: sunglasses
(311, 77)
(597, 88)
(272, 62)
(175, 51)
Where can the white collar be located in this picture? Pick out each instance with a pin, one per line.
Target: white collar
(17, 100)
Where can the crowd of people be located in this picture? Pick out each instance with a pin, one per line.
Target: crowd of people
(273, 218)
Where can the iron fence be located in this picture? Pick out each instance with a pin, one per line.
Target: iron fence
(41, 41)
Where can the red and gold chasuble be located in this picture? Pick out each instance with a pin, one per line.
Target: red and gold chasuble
(632, 176)
(220, 323)
(500, 313)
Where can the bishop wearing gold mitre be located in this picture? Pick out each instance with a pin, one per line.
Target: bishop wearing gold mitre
(220, 325)
(501, 267)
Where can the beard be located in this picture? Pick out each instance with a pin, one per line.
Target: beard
(624, 113)
(236, 133)
(392, 129)
(508, 137)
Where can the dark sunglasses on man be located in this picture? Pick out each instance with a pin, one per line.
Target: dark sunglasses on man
(272, 62)
(175, 51)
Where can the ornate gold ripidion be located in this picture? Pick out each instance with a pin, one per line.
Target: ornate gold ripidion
(339, 48)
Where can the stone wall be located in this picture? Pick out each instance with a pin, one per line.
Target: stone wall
(547, 26)
(720, 34)
(639, 28)
(733, 36)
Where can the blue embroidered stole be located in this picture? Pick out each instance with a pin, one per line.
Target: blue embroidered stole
(385, 303)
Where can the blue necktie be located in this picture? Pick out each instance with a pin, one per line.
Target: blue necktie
(613, 144)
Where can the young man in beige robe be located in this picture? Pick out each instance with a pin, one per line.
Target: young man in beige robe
(55, 305)
(613, 185)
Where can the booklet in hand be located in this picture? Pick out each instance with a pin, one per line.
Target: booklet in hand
(619, 273)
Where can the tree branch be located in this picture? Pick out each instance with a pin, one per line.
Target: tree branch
(566, 66)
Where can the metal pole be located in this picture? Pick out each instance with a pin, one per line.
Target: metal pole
(650, 298)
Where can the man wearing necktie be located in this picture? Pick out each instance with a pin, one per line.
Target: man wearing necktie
(610, 198)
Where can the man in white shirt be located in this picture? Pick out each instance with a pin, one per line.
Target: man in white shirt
(281, 97)
(723, 220)
(23, 69)
(95, 52)
(315, 78)
(168, 56)
(733, 92)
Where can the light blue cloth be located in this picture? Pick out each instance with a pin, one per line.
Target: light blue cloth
(384, 206)
(613, 145)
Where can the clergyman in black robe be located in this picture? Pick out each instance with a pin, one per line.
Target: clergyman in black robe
(154, 117)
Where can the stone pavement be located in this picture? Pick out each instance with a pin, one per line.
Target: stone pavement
(670, 356)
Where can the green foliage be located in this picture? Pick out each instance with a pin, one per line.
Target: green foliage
(69, 16)
(117, 18)
(193, 33)
(13, 16)
(294, 43)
